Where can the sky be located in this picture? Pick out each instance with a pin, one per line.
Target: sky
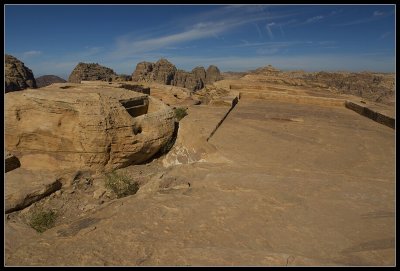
(53, 39)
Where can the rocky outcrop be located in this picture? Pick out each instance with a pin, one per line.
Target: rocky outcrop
(213, 74)
(17, 75)
(143, 72)
(91, 72)
(47, 80)
(166, 73)
(199, 73)
(187, 80)
(84, 126)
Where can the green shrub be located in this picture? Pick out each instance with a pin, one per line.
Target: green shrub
(43, 220)
(180, 113)
(121, 184)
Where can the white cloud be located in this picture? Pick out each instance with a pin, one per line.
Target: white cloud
(314, 19)
(31, 53)
(269, 30)
(378, 13)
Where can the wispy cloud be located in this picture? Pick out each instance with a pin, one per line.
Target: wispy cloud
(385, 35)
(258, 30)
(269, 30)
(211, 24)
(314, 19)
(378, 13)
(201, 30)
(31, 53)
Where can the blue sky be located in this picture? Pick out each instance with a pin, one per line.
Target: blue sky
(52, 39)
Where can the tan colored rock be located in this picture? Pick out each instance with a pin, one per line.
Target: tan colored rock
(143, 72)
(84, 126)
(213, 74)
(24, 187)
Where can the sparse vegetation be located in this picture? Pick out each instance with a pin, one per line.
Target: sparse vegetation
(121, 184)
(180, 113)
(42, 220)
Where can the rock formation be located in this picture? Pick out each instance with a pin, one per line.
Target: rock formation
(166, 73)
(213, 74)
(47, 80)
(143, 72)
(84, 126)
(17, 75)
(91, 72)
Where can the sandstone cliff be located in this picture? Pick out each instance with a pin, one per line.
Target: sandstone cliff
(166, 73)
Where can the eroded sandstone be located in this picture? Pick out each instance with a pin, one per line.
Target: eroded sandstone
(85, 126)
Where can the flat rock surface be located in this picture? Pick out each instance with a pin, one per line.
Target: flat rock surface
(23, 187)
(303, 186)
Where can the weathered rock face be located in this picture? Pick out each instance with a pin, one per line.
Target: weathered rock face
(166, 73)
(91, 72)
(213, 74)
(17, 75)
(81, 126)
(143, 72)
(47, 80)
(200, 73)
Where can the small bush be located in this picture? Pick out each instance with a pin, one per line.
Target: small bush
(121, 184)
(43, 220)
(180, 113)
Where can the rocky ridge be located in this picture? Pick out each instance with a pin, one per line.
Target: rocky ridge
(164, 72)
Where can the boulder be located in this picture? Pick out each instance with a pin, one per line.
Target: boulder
(84, 126)
(46, 80)
(91, 72)
(17, 75)
(213, 74)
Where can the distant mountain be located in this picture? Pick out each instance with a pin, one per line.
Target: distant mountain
(46, 80)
